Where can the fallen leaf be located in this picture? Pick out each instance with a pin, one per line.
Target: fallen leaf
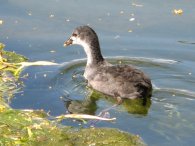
(178, 11)
(1, 22)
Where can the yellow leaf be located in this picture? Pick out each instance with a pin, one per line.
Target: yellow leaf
(1, 22)
(178, 11)
(2, 108)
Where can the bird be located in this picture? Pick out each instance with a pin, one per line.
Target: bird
(118, 81)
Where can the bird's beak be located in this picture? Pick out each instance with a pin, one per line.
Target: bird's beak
(68, 42)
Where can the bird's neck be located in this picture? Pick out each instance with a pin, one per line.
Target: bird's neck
(94, 56)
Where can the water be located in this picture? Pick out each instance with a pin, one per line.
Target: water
(146, 34)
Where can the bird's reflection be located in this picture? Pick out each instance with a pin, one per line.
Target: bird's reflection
(86, 106)
(89, 104)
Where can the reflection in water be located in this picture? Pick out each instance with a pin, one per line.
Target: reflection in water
(135, 106)
(89, 104)
(86, 106)
(138, 106)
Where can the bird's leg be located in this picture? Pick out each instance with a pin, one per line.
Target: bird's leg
(119, 101)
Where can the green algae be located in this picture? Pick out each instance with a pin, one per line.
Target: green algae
(24, 128)
(32, 127)
(19, 127)
(104, 136)
(27, 128)
(9, 61)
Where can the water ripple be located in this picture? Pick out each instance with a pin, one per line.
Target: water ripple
(144, 59)
(175, 90)
(122, 58)
(187, 42)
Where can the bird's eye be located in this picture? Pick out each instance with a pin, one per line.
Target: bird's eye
(74, 34)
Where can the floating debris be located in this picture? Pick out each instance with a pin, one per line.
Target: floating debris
(52, 51)
(130, 30)
(178, 11)
(132, 19)
(83, 116)
(29, 13)
(121, 12)
(100, 19)
(1, 22)
(119, 62)
(137, 5)
(117, 37)
(36, 63)
(51, 16)
(104, 115)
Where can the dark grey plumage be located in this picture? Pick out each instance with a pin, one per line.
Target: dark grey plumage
(118, 81)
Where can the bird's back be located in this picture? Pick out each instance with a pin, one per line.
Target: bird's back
(121, 80)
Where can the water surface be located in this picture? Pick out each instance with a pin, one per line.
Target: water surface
(146, 34)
